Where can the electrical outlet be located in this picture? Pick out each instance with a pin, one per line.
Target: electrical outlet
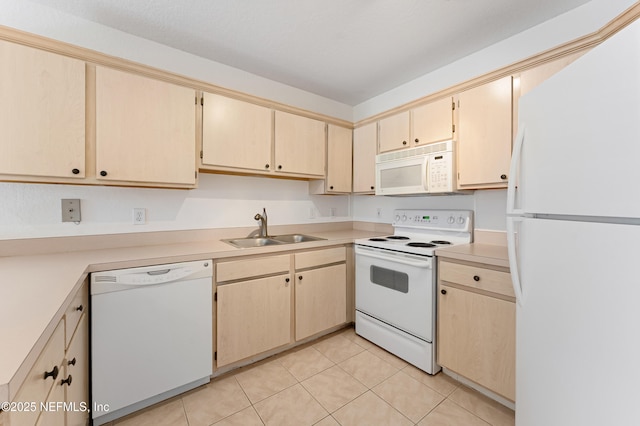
(71, 210)
(379, 212)
(332, 212)
(312, 213)
(139, 216)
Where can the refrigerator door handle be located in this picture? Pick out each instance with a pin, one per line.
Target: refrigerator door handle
(514, 172)
(513, 258)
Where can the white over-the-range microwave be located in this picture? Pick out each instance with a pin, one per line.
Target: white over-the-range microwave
(428, 169)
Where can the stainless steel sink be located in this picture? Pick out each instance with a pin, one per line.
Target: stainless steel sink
(295, 238)
(270, 241)
(252, 242)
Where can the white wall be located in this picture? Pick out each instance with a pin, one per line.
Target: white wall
(33, 210)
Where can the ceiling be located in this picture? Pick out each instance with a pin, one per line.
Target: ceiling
(345, 50)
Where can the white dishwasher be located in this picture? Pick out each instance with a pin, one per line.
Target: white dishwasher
(151, 335)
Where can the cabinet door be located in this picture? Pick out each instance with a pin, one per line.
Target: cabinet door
(476, 338)
(42, 113)
(339, 148)
(394, 132)
(145, 129)
(77, 366)
(484, 135)
(235, 134)
(321, 299)
(432, 122)
(364, 158)
(299, 144)
(53, 414)
(253, 317)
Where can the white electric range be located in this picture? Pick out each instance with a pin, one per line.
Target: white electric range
(396, 282)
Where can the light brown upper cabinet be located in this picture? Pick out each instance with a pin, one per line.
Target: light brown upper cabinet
(394, 132)
(145, 130)
(235, 134)
(484, 135)
(432, 122)
(299, 145)
(339, 156)
(364, 158)
(42, 114)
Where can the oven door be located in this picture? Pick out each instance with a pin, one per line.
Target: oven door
(397, 288)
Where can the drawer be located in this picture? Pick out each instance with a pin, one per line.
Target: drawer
(310, 259)
(72, 316)
(252, 267)
(35, 387)
(476, 277)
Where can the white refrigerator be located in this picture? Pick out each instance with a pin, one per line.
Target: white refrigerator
(573, 227)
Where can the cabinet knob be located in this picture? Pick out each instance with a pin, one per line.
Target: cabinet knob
(72, 362)
(443, 291)
(331, 187)
(286, 280)
(266, 166)
(53, 373)
(300, 277)
(417, 140)
(80, 308)
(75, 171)
(404, 142)
(476, 278)
(103, 173)
(503, 177)
(279, 166)
(66, 381)
(373, 187)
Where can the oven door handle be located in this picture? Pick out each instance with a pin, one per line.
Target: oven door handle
(398, 259)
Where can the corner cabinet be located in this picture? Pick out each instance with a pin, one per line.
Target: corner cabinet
(365, 143)
(339, 163)
(477, 324)
(484, 135)
(42, 115)
(235, 134)
(145, 130)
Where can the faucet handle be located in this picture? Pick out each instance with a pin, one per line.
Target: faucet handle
(257, 216)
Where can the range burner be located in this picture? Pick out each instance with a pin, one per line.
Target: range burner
(397, 237)
(377, 239)
(423, 245)
(442, 242)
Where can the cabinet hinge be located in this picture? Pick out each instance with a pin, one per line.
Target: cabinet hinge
(453, 128)
(453, 106)
(196, 174)
(215, 296)
(196, 99)
(201, 154)
(202, 100)
(215, 356)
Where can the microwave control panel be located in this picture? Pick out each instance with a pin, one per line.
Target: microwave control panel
(440, 172)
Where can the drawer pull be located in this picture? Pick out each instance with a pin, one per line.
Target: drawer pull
(53, 373)
(66, 381)
(476, 278)
(72, 362)
(443, 291)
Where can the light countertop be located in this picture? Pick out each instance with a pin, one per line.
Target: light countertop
(489, 254)
(37, 289)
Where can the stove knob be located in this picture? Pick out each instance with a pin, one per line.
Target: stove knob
(404, 217)
(451, 219)
(461, 220)
(397, 218)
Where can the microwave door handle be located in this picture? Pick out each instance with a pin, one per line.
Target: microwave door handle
(425, 174)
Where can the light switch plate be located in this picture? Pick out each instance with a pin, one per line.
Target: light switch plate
(71, 210)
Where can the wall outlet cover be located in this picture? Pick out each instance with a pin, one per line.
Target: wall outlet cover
(139, 216)
(71, 210)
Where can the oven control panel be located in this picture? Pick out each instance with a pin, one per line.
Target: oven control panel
(434, 219)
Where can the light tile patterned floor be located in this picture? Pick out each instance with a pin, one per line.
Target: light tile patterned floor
(342, 379)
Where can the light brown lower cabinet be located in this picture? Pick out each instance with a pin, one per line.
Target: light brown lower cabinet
(56, 389)
(253, 316)
(476, 327)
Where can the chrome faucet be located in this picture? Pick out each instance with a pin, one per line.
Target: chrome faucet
(264, 233)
